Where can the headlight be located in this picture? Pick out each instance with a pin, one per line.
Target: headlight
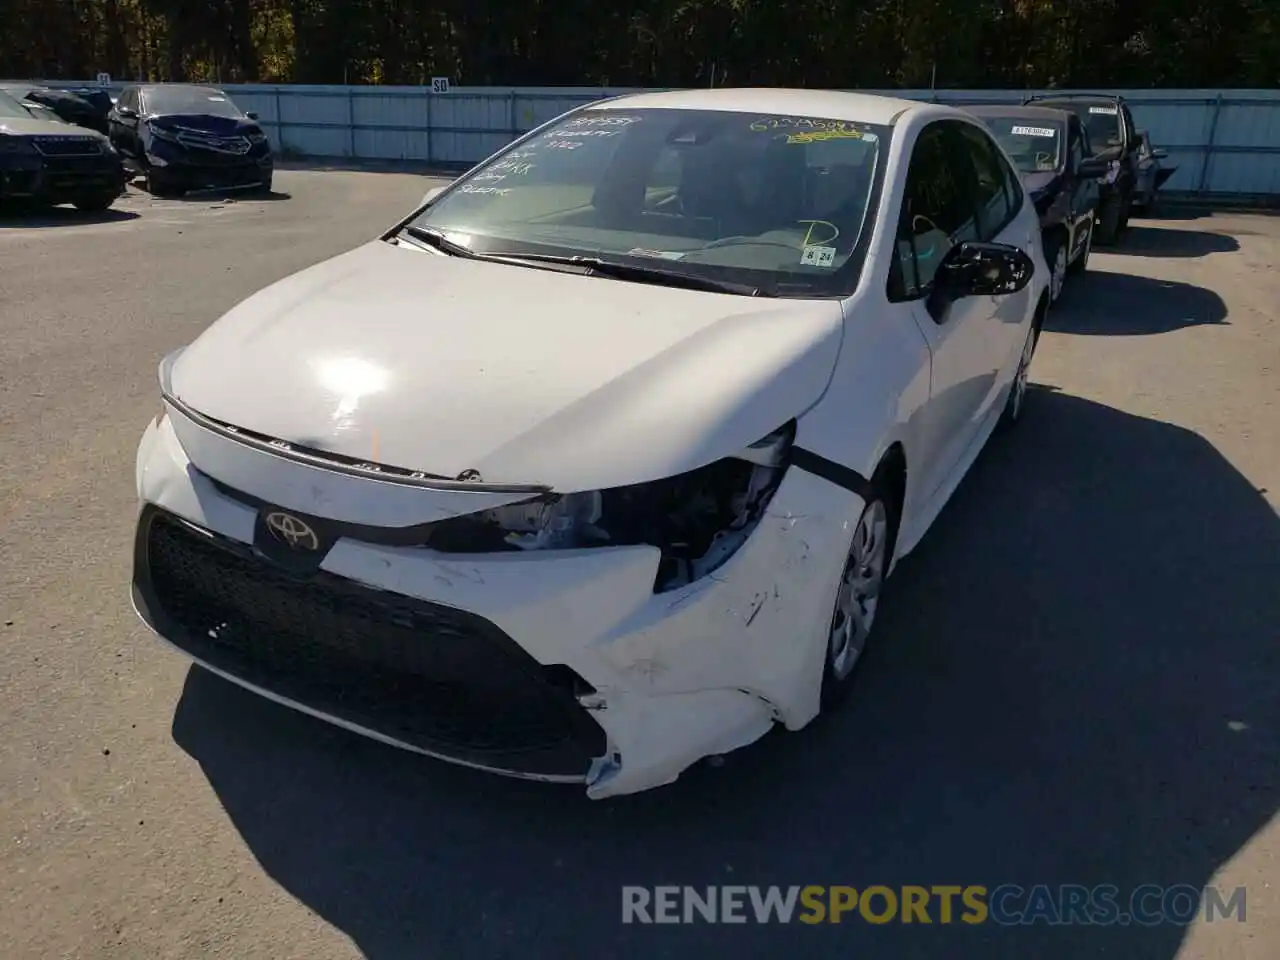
(258, 137)
(15, 145)
(165, 372)
(162, 134)
(697, 519)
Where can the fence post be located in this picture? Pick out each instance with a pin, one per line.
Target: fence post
(1208, 149)
(279, 121)
(430, 97)
(351, 123)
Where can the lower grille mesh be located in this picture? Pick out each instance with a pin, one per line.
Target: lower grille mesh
(428, 675)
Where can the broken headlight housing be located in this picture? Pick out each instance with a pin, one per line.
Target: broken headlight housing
(697, 519)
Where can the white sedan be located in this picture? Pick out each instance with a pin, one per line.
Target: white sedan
(597, 463)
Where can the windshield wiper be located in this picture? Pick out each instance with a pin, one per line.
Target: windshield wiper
(643, 273)
(591, 266)
(437, 239)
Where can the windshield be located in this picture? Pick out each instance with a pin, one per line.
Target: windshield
(1035, 146)
(1101, 122)
(194, 101)
(776, 203)
(11, 109)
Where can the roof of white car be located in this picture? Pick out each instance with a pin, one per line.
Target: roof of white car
(833, 104)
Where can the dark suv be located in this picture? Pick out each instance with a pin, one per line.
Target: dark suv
(185, 137)
(1050, 148)
(1114, 137)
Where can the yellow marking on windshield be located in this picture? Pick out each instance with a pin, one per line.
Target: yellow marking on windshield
(808, 237)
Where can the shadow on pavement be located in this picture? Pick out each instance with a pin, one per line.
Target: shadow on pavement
(36, 217)
(427, 168)
(1056, 696)
(1099, 303)
(1140, 241)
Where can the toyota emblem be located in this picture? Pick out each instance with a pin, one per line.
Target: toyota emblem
(293, 533)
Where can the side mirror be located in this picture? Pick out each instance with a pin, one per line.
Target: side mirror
(431, 195)
(975, 269)
(1160, 153)
(252, 114)
(1091, 168)
(126, 113)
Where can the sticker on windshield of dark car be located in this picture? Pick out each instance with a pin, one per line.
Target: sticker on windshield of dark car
(1034, 132)
(1105, 111)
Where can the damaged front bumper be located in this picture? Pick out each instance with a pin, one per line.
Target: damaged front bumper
(554, 665)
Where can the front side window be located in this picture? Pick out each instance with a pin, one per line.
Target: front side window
(1078, 148)
(781, 203)
(1034, 145)
(938, 212)
(996, 206)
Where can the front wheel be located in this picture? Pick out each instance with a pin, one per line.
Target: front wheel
(858, 596)
(1081, 262)
(1012, 413)
(1056, 251)
(1110, 219)
(161, 186)
(97, 204)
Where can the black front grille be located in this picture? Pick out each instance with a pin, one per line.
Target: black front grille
(78, 165)
(431, 676)
(68, 146)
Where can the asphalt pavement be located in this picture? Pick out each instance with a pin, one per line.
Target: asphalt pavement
(1075, 681)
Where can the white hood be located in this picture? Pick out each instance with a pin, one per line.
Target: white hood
(440, 364)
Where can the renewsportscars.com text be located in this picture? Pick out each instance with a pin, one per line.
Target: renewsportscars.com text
(1005, 905)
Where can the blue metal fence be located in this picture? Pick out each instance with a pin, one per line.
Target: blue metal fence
(1222, 141)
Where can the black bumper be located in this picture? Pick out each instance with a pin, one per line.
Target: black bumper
(61, 179)
(423, 675)
(216, 175)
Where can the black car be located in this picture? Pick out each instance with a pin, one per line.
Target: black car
(1050, 148)
(1114, 137)
(67, 106)
(183, 137)
(46, 161)
(1152, 173)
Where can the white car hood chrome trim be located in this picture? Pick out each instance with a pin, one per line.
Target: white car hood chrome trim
(444, 365)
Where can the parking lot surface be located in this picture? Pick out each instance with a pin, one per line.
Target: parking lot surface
(1075, 680)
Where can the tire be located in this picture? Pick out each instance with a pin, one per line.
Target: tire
(162, 187)
(860, 593)
(1110, 218)
(96, 204)
(1081, 263)
(1015, 403)
(1126, 209)
(1055, 252)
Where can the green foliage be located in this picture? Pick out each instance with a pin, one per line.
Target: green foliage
(665, 43)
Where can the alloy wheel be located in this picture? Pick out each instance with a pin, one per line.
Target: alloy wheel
(1058, 274)
(860, 587)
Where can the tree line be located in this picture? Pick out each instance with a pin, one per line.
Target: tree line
(664, 43)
